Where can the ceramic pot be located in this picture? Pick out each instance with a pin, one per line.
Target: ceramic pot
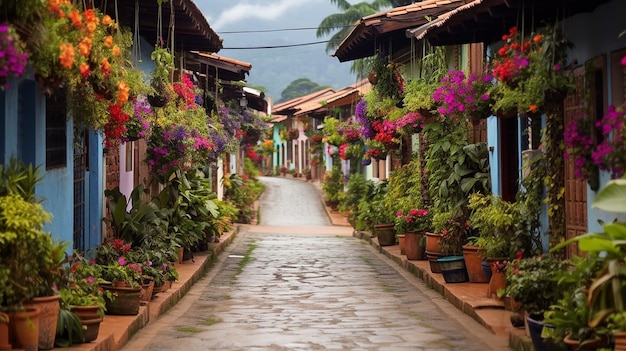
(413, 247)
(91, 329)
(619, 340)
(535, 327)
(24, 329)
(386, 234)
(86, 312)
(126, 301)
(4, 332)
(401, 239)
(590, 345)
(146, 291)
(49, 307)
(497, 282)
(453, 269)
(433, 258)
(473, 261)
(432, 242)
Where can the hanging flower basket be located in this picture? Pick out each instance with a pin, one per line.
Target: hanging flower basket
(372, 77)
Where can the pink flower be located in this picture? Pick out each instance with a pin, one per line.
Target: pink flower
(121, 261)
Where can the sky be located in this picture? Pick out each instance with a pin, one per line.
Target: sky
(276, 68)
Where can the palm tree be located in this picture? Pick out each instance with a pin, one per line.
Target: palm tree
(341, 23)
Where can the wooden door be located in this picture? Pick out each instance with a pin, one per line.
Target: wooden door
(575, 189)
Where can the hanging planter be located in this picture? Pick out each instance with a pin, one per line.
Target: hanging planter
(372, 77)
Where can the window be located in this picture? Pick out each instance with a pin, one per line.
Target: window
(56, 136)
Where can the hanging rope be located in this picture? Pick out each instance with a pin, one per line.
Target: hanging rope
(159, 31)
(170, 36)
(117, 14)
(136, 39)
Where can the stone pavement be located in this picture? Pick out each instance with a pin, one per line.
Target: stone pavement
(116, 331)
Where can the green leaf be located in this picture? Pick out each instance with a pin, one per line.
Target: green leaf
(612, 197)
(596, 244)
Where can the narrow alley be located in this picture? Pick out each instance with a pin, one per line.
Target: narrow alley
(295, 282)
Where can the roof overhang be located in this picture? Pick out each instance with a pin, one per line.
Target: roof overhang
(485, 21)
(387, 28)
(292, 106)
(191, 29)
(217, 66)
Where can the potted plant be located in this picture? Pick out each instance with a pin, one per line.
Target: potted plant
(83, 301)
(414, 223)
(606, 291)
(46, 298)
(161, 76)
(533, 282)
(569, 318)
(122, 273)
(82, 286)
(495, 220)
(307, 173)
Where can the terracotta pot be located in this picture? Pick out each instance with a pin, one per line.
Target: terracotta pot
(432, 242)
(497, 282)
(473, 260)
(401, 238)
(92, 329)
(619, 340)
(86, 312)
(413, 247)
(146, 291)
(49, 307)
(24, 329)
(125, 301)
(589, 345)
(161, 288)
(181, 252)
(386, 234)
(432, 261)
(4, 332)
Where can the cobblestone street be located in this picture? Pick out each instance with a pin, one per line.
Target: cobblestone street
(280, 286)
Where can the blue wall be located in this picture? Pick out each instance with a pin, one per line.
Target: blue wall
(493, 143)
(595, 34)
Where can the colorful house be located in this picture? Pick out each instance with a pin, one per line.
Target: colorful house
(465, 27)
(37, 129)
(307, 115)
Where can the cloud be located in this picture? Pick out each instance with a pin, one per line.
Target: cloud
(265, 12)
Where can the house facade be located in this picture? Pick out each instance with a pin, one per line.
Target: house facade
(474, 30)
(37, 128)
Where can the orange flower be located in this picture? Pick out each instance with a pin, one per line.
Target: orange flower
(66, 57)
(116, 51)
(105, 67)
(122, 92)
(106, 20)
(84, 70)
(91, 27)
(54, 6)
(84, 48)
(532, 108)
(537, 38)
(76, 18)
(90, 16)
(108, 41)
